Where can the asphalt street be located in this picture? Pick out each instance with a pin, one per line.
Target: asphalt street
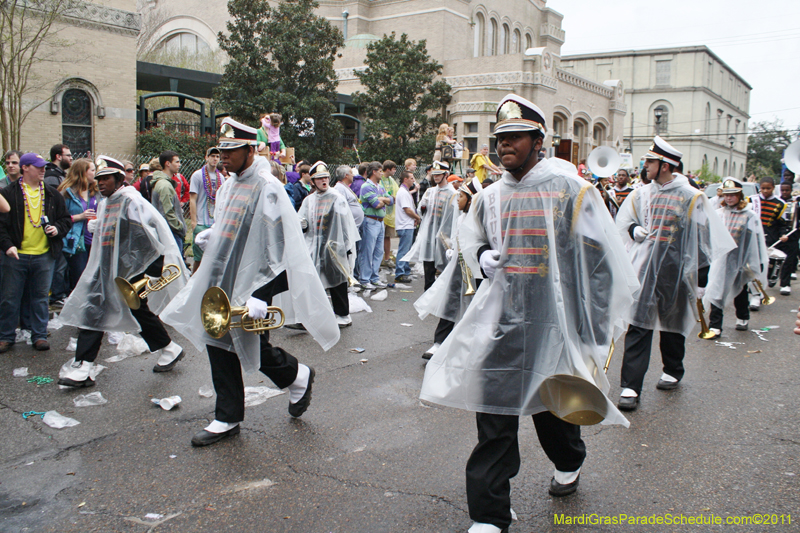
(368, 456)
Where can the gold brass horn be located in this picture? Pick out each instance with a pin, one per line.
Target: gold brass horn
(466, 272)
(216, 313)
(604, 161)
(130, 291)
(346, 271)
(584, 403)
(766, 299)
(705, 333)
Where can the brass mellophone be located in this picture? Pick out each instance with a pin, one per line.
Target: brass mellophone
(216, 314)
(466, 272)
(705, 333)
(130, 291)
(346, 271)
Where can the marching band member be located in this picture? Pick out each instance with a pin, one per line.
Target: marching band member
(728, 277)
(331, 235)
(131, 239)
(251, 254)
(674, 235)
(556, 279)
(622, 187)
(448, 297)
(438, 212)
(789, 239)
(769, 209)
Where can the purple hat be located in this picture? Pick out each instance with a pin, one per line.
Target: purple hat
(32, 159)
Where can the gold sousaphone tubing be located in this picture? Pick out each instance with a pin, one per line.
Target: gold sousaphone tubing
(216, 313)
(130, 291)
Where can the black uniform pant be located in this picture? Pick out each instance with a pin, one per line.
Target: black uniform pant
(339, 301)
(742, 305)
(789, 266)
(495, 460)
(226, 370)
(153, 332)
(443, 329)
(638, 343)
(429, 268)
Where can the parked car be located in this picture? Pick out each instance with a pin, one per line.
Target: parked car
(749, 189)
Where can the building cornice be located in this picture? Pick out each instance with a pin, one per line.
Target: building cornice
(571, 78)
(667, 90)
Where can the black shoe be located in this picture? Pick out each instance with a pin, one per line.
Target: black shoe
(170, 366)
(5, 346)
(628, 403)
(88, 382)
(402, 279)
(427, 356)
(204, 438)
(297, 409)
(298, 326)
(41, 345)
(667, 385)
(558, 490)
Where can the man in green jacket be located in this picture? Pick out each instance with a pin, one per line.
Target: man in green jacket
(165, 199)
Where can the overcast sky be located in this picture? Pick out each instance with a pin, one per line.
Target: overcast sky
(759, 40)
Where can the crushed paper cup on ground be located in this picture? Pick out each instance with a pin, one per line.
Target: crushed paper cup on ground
(72, 345)
(380, 296)
(54, 323)
(114, 337)
(21, 372)
(167, 403)
(22, 336)
(88, 400)
(206, 392)
(257, 395)
(58, 421)
(402, 286)
(357, 304)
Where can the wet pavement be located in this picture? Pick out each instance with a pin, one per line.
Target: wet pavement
(368, 456)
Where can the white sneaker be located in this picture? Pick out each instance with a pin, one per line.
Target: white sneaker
(741, 325)
(344, 321)
(380, 285)
(478, 527)
(368, 286)
(786, 291)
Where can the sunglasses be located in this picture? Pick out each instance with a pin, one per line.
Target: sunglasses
(128, 170)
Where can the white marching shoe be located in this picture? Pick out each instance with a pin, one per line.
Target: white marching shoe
(170, 355)
(741, 325)
(431, 351)
(755, 303)
(78, 375)
(344, 321)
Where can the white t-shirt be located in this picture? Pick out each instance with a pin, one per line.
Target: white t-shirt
(404, 199)
(205, 212)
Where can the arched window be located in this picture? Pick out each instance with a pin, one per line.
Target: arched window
(528, 41)
(715, 169)
(491, 38)
(186, 42)
(599, 135)
(76, 121)
(733, 169)
(725, 168)
(480, 26)
(661, 120)
(708, 119)
(504, 38)
(515, 42)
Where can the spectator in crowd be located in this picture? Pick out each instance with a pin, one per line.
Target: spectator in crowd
(390, 186)
(202, 199)
(442, 139)
(130, 172)
(31, 243)
(164, 197)
(482, 165)
(405, 222)
(302, 187)
(56, 169)
(469, 176)
(359, 179)
(181, 187)
(424, 183)
(222, 169)
(80, 195)
(343, 180)
(142, 174)
(374, 201)
(280, 172)
(622, 187)
(12, 167)
(411, 166)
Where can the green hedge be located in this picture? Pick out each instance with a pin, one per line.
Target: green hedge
(189, 145)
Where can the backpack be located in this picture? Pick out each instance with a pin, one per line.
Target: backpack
(447, 152)
(146, 189)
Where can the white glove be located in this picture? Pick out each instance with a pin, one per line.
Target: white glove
(490, 260)
(701, 291)
(256, 308)
(448, 254)
(201, 239)
(639, 234)
(92, 225)
(304, 223)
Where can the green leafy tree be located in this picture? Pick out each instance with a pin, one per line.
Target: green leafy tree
(765, 146)
(281, 60)
(705, 174)
(400, 100)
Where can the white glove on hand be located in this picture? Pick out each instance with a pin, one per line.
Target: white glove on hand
(490, 260)
(256, 308)
(201, 239)
(701, 292)
(639, 234)
(448, 254)
(304, 223)
(92, 225)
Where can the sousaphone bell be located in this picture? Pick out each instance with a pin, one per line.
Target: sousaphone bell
(130, 291)
(604, 161)
(216, 314)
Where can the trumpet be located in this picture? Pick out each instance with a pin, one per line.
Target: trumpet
(705, 333)
(350, 279)
(766, 299)
(216, 313)
(130, 291)
(466, 272)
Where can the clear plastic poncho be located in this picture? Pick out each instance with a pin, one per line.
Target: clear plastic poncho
(130, 236)
(748, 261)
(256, 236)
(554, 306)
(441, 205)
(331, 233)
(684, 235)
(446, 297)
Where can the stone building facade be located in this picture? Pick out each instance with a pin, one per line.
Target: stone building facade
(87, 94)
(703, 104)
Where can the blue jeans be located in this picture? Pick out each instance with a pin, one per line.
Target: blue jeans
(406, 240)
(77, 264)
(34, 274)
(359, 249)
(369, 262)
(59, 287)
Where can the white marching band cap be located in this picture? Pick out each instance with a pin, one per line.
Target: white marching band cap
(518, 114)
(731, 185)
(440, 167)
(108, 165)
(319, 170)
(663, 151)
(234, 134)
